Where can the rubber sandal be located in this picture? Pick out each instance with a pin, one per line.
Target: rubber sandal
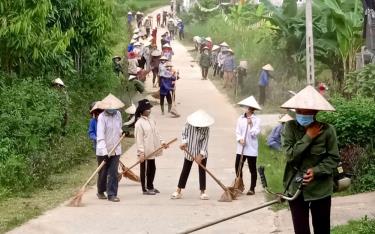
(176, 195)
(204, 196)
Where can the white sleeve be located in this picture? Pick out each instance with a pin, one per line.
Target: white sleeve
(101, 147)
(239, 130)
(255, 130)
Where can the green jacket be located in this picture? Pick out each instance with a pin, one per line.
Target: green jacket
(321, 154)
(205, 60)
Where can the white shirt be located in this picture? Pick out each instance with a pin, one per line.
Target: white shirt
(251, 138)
(147, 137)
(108, 133)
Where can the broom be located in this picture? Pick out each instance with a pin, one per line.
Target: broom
(174, 112)
(227, 195)
(77, 199)
(149, 156)
(127, 173)
(238, 185)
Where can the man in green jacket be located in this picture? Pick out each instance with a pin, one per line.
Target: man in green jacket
(311, 152)
(205, 62)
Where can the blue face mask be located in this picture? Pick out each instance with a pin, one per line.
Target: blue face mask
(111, 111)
(304, 120)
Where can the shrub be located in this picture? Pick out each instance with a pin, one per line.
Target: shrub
(361, 82)
(353, 119)
(364, 175)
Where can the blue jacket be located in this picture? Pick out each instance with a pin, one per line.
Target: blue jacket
(92, 131)
(166, 85)
(274, 139)
(229, 64)
(180, 26)
(263, 78)
(130, 47)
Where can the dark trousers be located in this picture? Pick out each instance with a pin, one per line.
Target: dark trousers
(147, 169)
(320, 212)
(148, 30)
(216, 69)
(169, 100)
(262, 94)
(181, 35)
(252, 162)
(186, 171)
(155, 72)
(107, 176)
(204, 72)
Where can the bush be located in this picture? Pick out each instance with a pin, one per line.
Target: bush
(364, 176)
(361, 82)
(363, 226)
(353, 119)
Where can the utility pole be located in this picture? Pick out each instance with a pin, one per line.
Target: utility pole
(309, 45)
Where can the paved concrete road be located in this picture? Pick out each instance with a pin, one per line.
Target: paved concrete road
(137, 213)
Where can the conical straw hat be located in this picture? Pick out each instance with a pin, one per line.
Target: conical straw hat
(111, 102)
(132, 77)
(285, 118)
(156, 53)
(215, 47)
(250, 102)
(267, 67)
(208, 39)
(167, 45)
(224, 44)
(136, 30)
(163, 58)
(308, 98)
(58, 81)
(131, 109)
(96, 106)
(200, 118)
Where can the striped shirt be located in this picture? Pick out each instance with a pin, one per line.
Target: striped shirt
(196, 139)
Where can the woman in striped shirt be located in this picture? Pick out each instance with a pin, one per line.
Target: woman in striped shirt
(195, 141)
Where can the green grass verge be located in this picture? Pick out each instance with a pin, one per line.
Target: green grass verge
(362, 226)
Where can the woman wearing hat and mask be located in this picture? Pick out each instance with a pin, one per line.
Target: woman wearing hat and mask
(167, 84)
(147, 140)
(312, 152)
(108, 135)
(94, 111)
(263, 82)
(195, 141)
(167, 51)
(247, 131)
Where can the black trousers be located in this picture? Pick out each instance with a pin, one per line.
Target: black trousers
(252, 162)
(320, 212)
(186, 171)
(148, 30)
(181, 35)
(155, 72)
(204, 72)
(107, 176)
(262, 94)
(169, 100)
(216, 69)
(147, 169)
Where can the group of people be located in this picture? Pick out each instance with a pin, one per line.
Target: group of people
(310, 146)
(221, 59)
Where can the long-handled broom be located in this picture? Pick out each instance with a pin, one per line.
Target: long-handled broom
(227, 195)
(127, 173)
(77, 199)
(238, 186)
(149, 156)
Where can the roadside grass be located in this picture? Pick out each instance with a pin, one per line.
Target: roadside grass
(362, 226)
(61, 186)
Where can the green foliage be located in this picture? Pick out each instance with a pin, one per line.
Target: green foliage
(361, 82)
(362, 226)
(353, 119)
(364, 175)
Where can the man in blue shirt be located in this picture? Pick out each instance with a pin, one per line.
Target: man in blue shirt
(274, 139)
(263, 82)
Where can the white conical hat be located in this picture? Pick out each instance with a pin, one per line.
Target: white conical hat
(163, 58)
(111, 102)
(156, 53)
(167, 45)
(267, 67)
(230, 50)
(146, 43)
(58, 81)
(129, 13)
(97, 106)
(285, 118)
(200, 118)
(308, 98)
(131, 109)
(132, 77)
(243, 64)
(215, 47)
(224, 44)
(136, 30)
(137, 43)
(208, 39)
(250, 102)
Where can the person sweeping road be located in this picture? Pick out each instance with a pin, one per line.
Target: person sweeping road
(108, 134)
(195, 141)
(311, 152)
(247, 130)
(147, 140)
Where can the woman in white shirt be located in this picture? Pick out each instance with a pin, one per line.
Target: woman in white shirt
(247, 130)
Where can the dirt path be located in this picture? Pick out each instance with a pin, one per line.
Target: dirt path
(137, 213)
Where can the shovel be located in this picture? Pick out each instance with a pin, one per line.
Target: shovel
(227, 195)
(238, 186)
